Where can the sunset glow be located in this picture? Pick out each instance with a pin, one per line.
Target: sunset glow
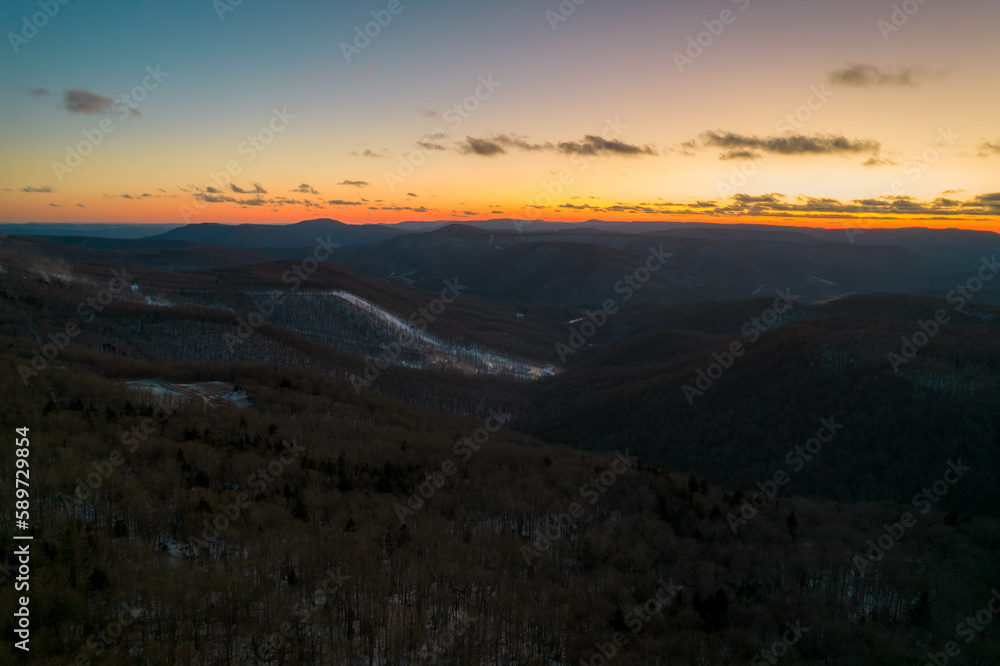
(631, 111)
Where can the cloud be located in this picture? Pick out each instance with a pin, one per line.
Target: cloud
(884, 207)
(989, 201)
(431, 145)
(43, 190)
(595, 145)
(354, 183)
(740, 155)
(212, 190)
(590, 145)
(879, 161)
(370, 153)
(483, 147)
(410, 194)
(81, 206)
(81, 100)
(870, 76)
(420, 209)
(257, 189)
(38, 92)
(305, 188)
(341, 202)
(790, 144)
(775, 204)
(987, 148)
(764, 198)
(54, 204)
(211, 198)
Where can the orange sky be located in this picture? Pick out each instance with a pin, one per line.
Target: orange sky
(806, 113)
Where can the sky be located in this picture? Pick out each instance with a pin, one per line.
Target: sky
(852, 113)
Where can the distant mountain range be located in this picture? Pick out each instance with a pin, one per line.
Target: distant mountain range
(577, 265)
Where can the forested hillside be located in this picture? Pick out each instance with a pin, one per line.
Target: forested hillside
(283, 522)
(230, 468)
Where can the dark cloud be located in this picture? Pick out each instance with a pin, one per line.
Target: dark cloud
(35, 190)
(740, 155)
(213, 198)
(780, 205)
(482, 147)
(257, 189)
(595, 145)
(433, 141)
(990, 202)
(38, 92)
(590, 145)
(305, 188)
(870, 76)
(888, 207)
(879, 161)
(370, 153)
(420, 209)
(354, 183)
(410, 194)
(791, 144)
(81, 100)
(341, 202)
(764, 198)
(989, 148)
(431, 145)
(212, 190)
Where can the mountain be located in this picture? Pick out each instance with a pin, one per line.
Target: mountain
(121, 230)
(460, 458)
(677, 393)
(579, 267)
(170, 255)
(302, 234)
